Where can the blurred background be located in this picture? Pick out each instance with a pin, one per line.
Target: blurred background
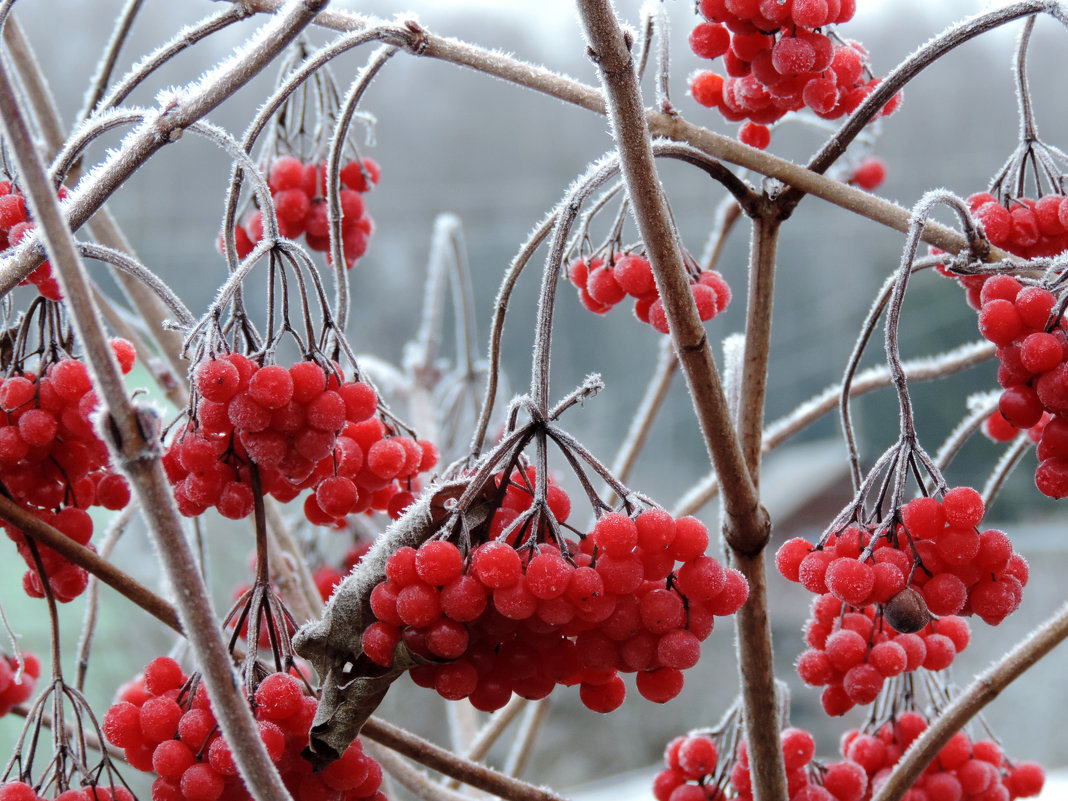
(451, 140)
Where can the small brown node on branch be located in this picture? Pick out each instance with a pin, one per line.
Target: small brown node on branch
(419, 40)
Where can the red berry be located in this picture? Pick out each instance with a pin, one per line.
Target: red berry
(754, 135)
(217, 380)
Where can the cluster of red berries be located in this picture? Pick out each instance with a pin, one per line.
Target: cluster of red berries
(779, 58)
(53, 464)
(963, 770)
(937, 551)
(14, 224)
(636, 595)
(691, 771)
(851, 654)
(165, 729)
(1032, 371)
(12, 692)
(303, 429)
(1028, 228)
(602, 284)
(23, 791)
(299, 194)
(940, 564)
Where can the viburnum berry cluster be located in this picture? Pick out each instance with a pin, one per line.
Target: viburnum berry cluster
(164, 724)
(1023, 321)
(873, 617)
(937, 552)
(964, 770)
(1026, 227)
(303, 428)
(604, 281)
(14, 225)
(298, 190)
(779, 57)
(53, 464)
(696, 770)
(852, 654)
(520, 615)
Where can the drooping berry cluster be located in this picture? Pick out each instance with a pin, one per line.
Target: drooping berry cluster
(602, 284)
(12, 691)
(963, 770)
(303, 429)
(165, 729)
(872, 619)
(852, 653)
(1026, 227)
(1032, 371)
(637, 595)
(696, 771)
(14, 225)
(53, 464)
(299, 193)
(937, 550)
(779, 57)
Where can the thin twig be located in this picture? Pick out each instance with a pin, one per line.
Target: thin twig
(91, 740)
(641, 424)
(92, 593)
(877, 377)
(444, 761)
(412, 779)
(523, 745)
(106, 65)
(161, 55)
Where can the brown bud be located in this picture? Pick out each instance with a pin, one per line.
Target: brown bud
(907, 612)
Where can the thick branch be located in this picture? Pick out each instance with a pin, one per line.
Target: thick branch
(757, 346)
(132, 435)
(745, 520)
(653, 219)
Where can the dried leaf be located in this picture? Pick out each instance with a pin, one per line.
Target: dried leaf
(352, 685)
